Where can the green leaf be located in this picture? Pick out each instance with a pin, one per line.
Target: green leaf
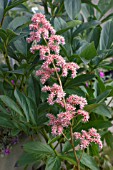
(38, 148)
(89, 162)
(14, 4)
(98, 124)
(28, 106)
(6, 123)
(88, 53)
(102, 110)
(109, 139)
(10, 35)
(67, 146)
(34, 90)
(21, 46)
(70, 25)
(102, 96)
(11, 104)
(86, 26)
(53, 163)
(91, 107)
(67, 158)
(1, 10)
(72, 7)
(28, 158)
(94, 36)
(79, 80)
(3, 35)
(105, 6)
(17, 22)
(106, 39)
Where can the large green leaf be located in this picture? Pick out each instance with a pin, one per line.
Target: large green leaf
(102, 110)
(85, 26)
(38, 148)
(106, 39)
(79, 80)
(72, 7)
(28, 158)
(89, 162)
(21, 46)
(17, 22)
(1, 10)
(94, 36)
(88, 53)
(70, 24)
(53, 163)
(11, 104)
(105, 6)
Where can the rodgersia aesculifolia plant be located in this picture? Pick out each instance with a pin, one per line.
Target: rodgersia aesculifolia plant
(56, 67)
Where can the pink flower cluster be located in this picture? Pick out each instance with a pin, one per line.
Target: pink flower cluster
(88, 137)
(59, 123)
(77, 100)
(56, 93)
(40, 27)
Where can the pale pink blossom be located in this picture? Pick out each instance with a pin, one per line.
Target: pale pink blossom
(70, 66)
(56, 93)
(85, 114)
(77, 100)
(88, 137)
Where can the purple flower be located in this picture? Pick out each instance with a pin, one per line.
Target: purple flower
(87, 84)
(101, 73)
(12, 81)
(7, 151)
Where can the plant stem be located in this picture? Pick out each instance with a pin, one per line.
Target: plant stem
(47, 139)
(72, 143)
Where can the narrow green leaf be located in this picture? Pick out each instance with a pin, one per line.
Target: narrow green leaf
(1, 10)
(102, 96)
(11, 104)
(14, 4)
(79, 80)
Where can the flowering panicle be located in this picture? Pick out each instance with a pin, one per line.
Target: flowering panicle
(55, 64)
(88, 137)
